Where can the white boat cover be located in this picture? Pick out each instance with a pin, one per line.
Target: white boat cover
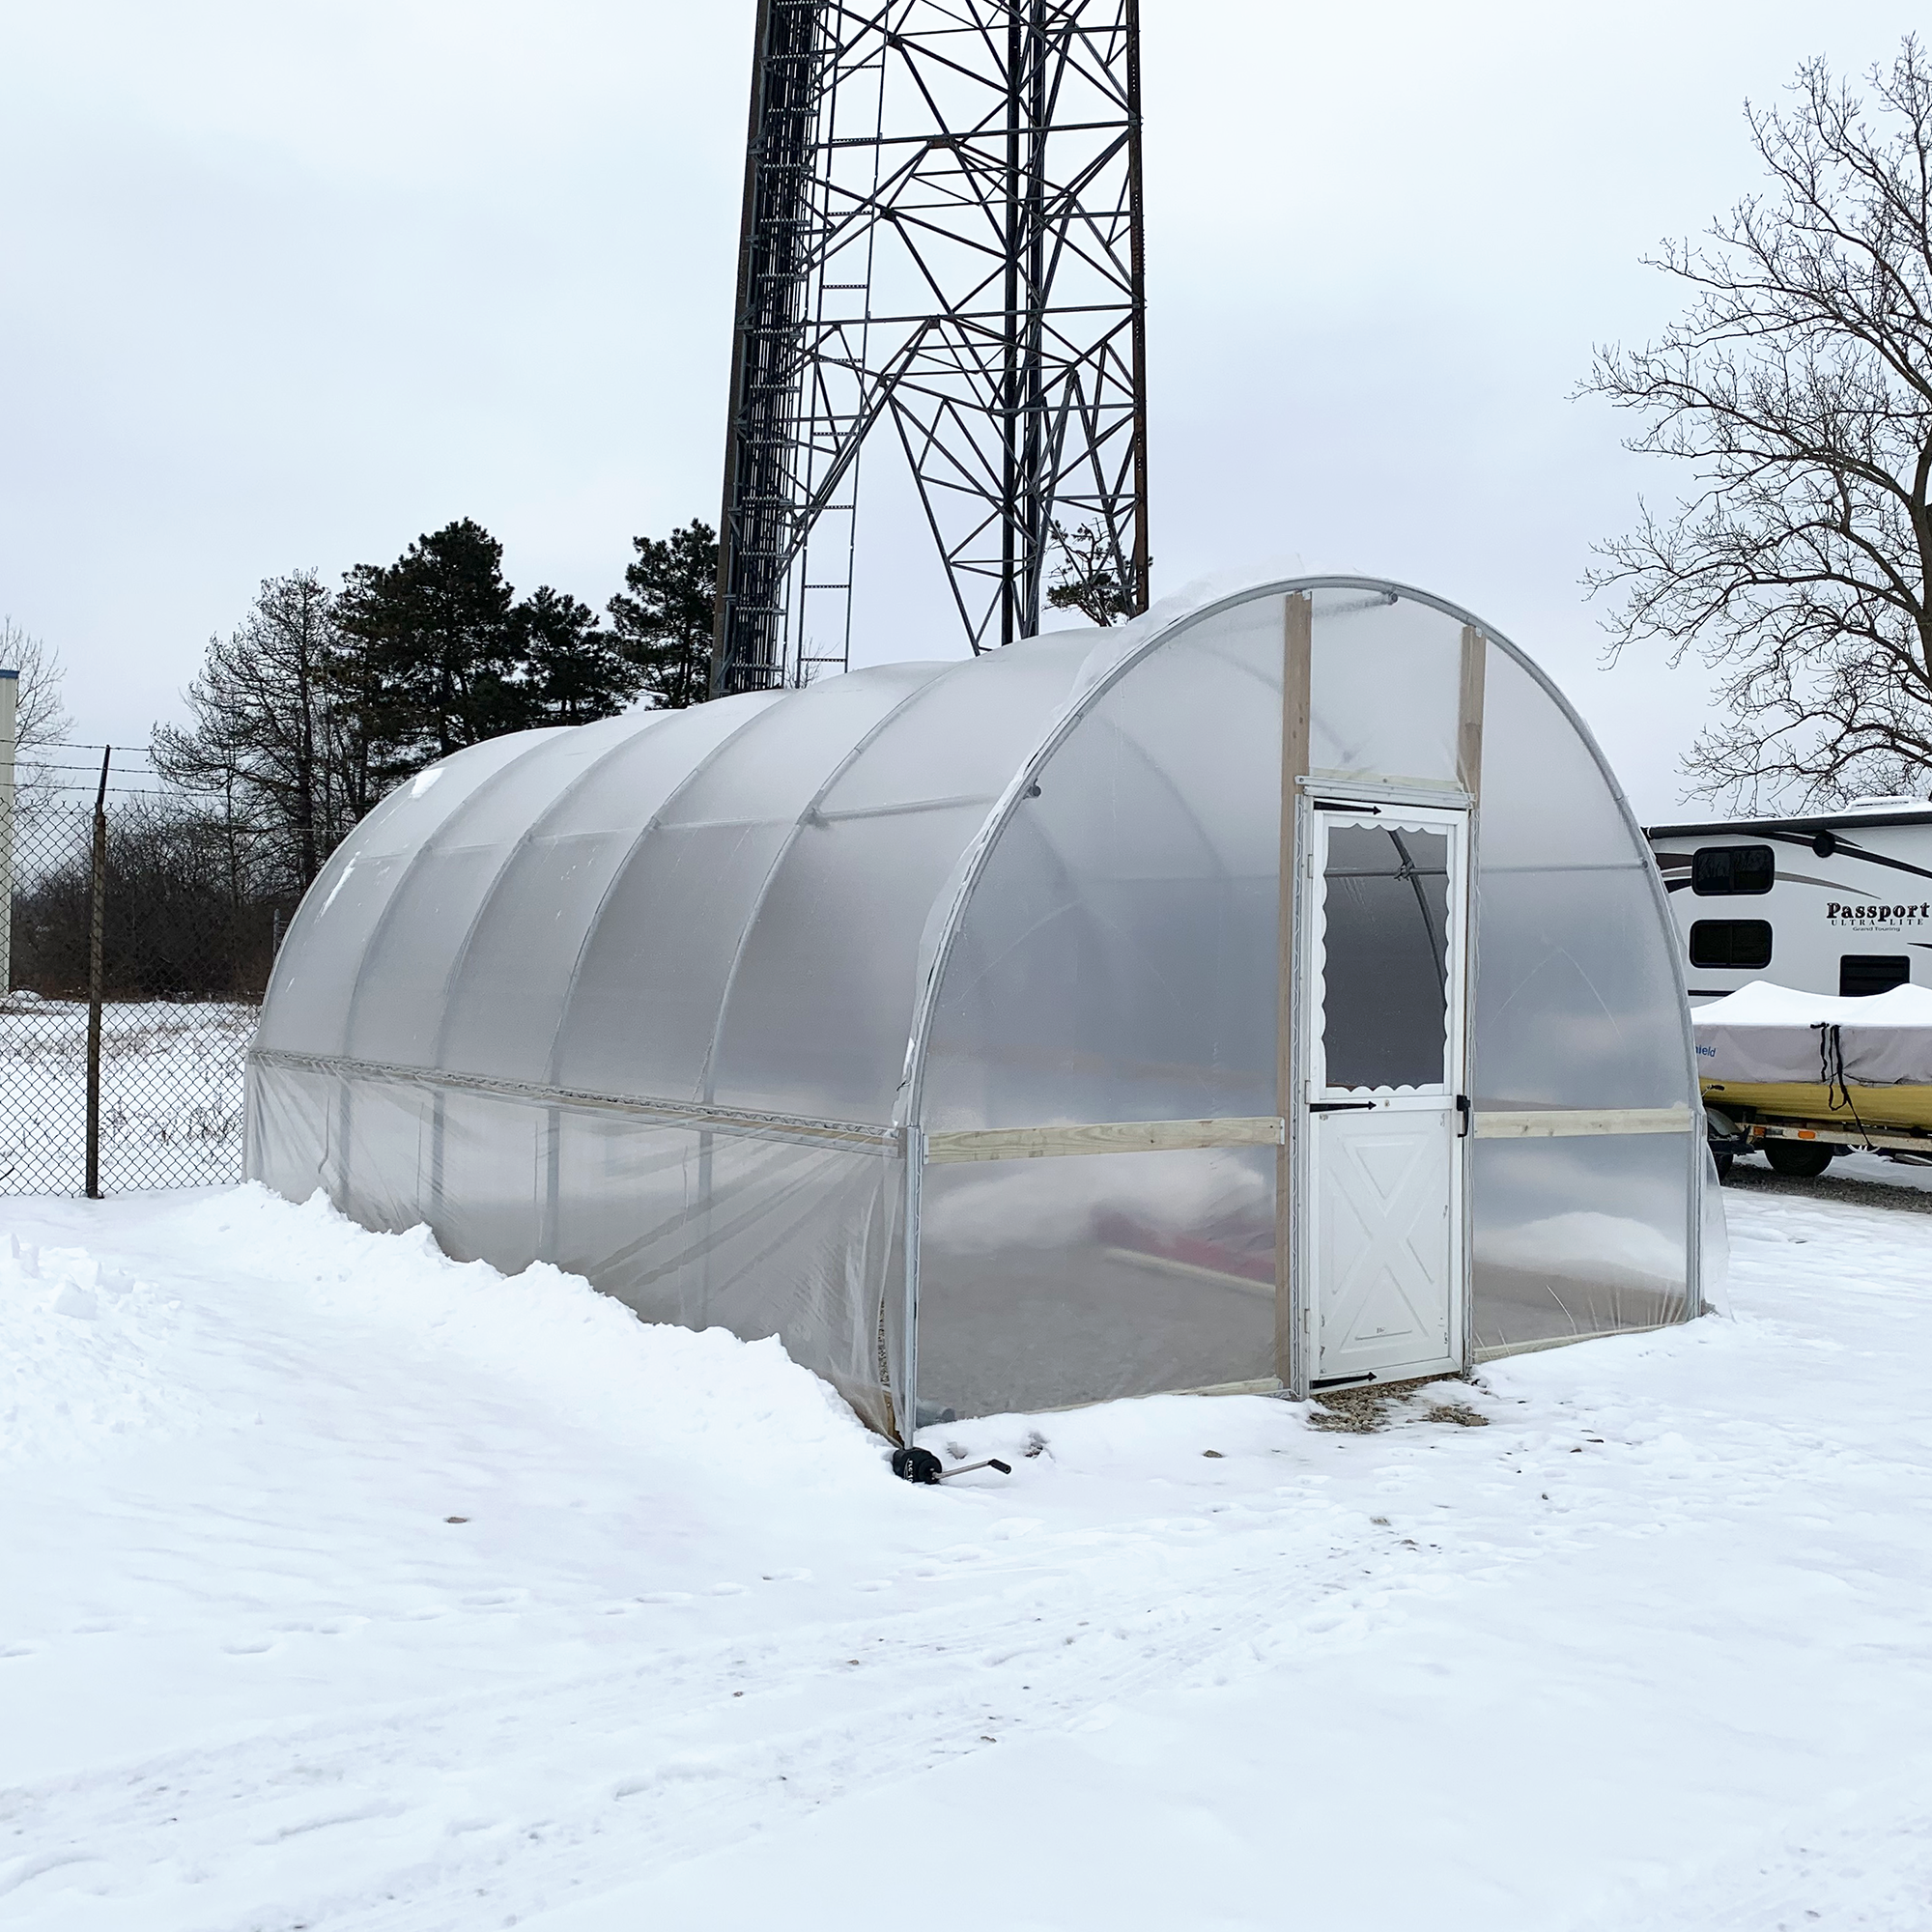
(1765, 1033)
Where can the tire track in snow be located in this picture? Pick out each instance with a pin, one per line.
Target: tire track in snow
(638, 1778)
(1867, 1868)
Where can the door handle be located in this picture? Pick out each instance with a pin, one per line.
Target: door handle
(1341, 1106)
(1463, 1117)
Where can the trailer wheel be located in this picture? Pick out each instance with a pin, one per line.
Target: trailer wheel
(1799, 1158)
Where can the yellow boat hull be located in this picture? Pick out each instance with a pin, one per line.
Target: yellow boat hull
(1801, 1100)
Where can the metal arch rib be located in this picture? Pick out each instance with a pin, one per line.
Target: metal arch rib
(804, 818)
(407, 875)
(1167, 783)
(763, 703)
(517, 846)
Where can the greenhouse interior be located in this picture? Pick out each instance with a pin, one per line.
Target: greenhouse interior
(1274, 994)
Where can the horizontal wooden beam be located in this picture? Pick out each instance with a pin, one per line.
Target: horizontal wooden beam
(697, 1116)
(1551, 1122)
(1167, 1136)
(1101, 1137)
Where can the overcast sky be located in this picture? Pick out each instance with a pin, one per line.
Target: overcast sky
(287, 284)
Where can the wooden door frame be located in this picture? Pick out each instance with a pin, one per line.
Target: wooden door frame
(1297, 786)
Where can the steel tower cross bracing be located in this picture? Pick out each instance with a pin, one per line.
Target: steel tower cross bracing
(941, 243)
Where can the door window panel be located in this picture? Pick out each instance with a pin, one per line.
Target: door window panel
(1385, 977)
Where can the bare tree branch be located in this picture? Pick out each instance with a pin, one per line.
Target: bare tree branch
(269, 729)
(1799, 386)
(40, 717)
(1091, 577)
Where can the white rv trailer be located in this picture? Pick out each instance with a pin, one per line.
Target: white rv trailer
(1835, 902)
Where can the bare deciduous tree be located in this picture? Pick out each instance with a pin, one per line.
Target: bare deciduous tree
(40, 717)
(268, 734)
(1799, 385)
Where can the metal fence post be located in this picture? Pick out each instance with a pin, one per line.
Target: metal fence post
(94, 975)
(9, 694)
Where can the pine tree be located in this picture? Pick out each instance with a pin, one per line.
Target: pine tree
(571, 672)
(430, 659)
(1091, 577)
(663, 617)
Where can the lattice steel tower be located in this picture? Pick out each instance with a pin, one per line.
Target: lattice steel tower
(942, 242)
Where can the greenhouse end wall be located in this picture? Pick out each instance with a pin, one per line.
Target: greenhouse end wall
(667, 1000)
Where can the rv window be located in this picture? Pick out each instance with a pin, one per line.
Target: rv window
(1730, 942)
(1719, 869)
(1862, 973)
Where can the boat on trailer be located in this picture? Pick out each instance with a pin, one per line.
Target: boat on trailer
(1803, 1077)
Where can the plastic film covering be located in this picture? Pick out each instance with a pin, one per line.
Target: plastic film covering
(1580, 1238)
(1383, 679)
(820, 999)
(721, 906)
(760, 1235)
(1577, 1005)
(1115, 962)
(321, 964)
(1046, 1283)
(1116, 958)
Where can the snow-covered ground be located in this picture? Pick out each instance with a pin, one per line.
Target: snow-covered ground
(171, 1093)
(344, 1587)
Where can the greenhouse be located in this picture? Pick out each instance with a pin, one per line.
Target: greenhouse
(1273, 994)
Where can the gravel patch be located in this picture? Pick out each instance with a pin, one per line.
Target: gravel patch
(1832, 1186)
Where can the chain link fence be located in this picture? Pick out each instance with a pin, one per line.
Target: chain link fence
(139, 944)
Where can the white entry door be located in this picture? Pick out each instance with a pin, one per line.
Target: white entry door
(1381, 1120)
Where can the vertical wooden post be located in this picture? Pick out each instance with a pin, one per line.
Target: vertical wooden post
(96, 933)
(1469, 773)
(550, 1214)
(1296, 670)
(1469, 720)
